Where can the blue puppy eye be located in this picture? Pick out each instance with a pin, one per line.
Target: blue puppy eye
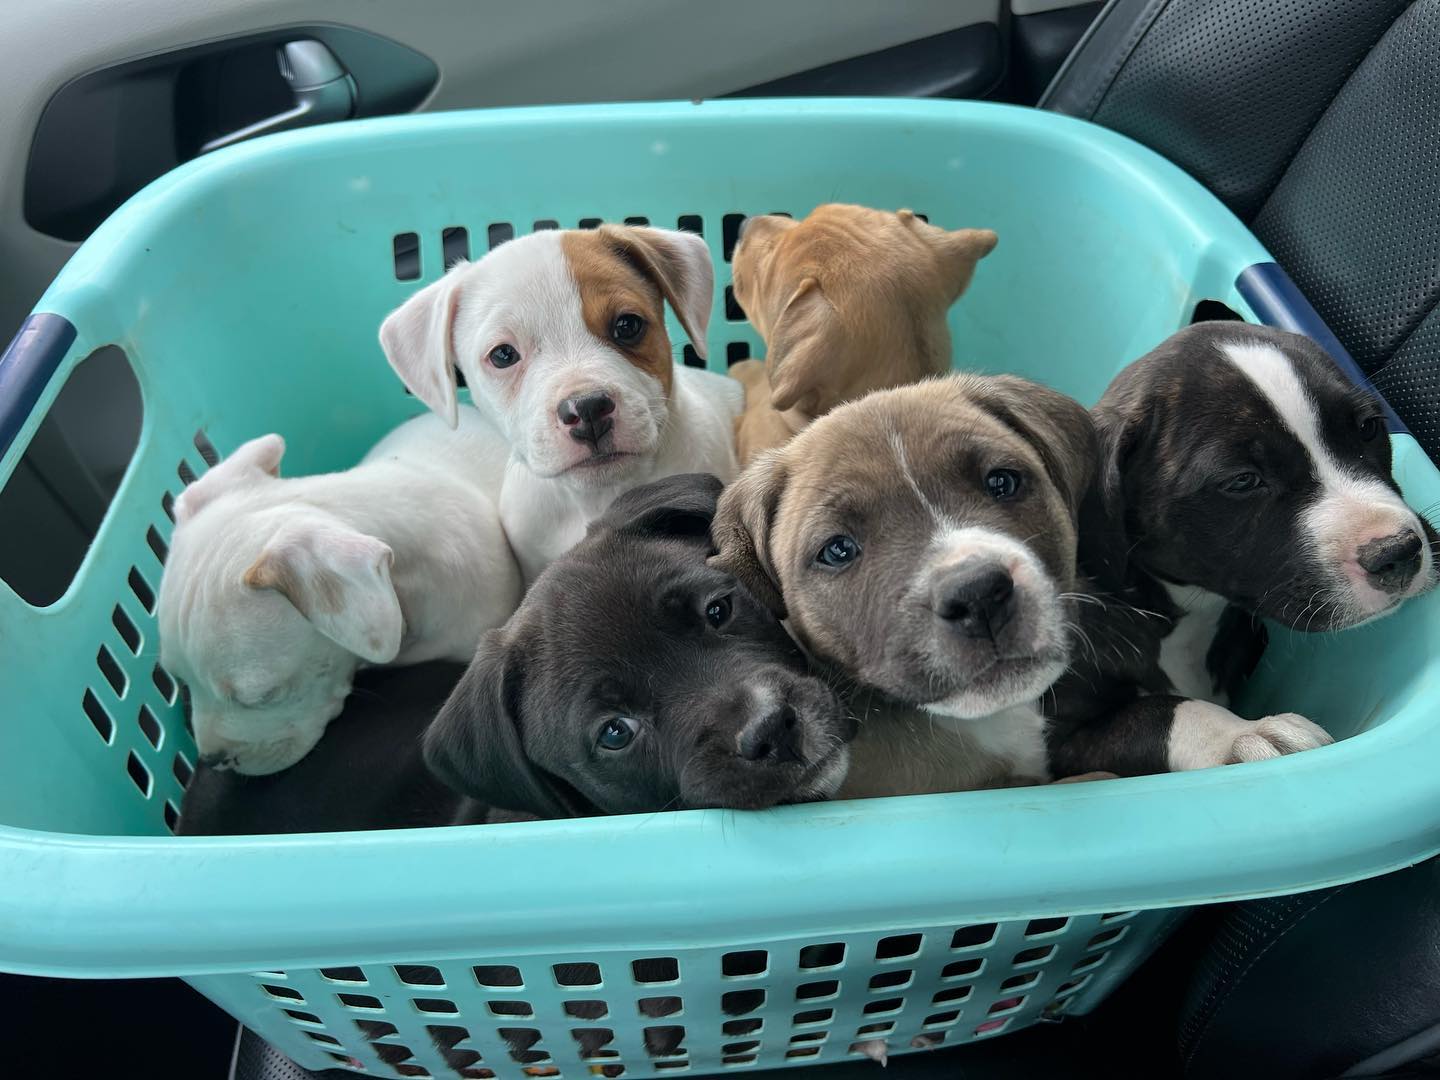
(838, 552)
(1002, 483)
(617, 733)
(717, 611)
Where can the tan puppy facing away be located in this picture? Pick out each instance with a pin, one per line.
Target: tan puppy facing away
(848, 301)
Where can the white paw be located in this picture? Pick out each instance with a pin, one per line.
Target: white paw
(1273, 736)
(1203, 736)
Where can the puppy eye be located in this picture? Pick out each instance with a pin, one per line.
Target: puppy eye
(1242, 482)
(617, 733)
(1002, 483)
(838, 552)
(1370, 427)
(717, 612)
(627, 329)
(502, 356)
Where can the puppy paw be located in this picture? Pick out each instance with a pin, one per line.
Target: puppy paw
(1203, 736)
(874, 1049)
(1275, 736)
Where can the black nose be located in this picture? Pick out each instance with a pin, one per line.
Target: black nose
(977, 601)
(772, 736)
(588, 417)
(1391, 562)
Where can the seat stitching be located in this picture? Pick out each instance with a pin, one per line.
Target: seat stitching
(1235, 983)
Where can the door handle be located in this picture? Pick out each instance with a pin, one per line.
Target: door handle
(323, 90)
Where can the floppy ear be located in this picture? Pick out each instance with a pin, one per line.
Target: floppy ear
(257, 459)
(339, 579)
(1104, 526)
(1057, 426)
(679, 506)
(959, 251)
(418, 339)
(799, 347)
(679, 263)
(741, 532)
(474, 746)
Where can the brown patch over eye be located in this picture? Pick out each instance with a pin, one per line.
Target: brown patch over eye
(611, 287)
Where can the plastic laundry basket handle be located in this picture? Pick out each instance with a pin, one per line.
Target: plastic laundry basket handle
(27, 366)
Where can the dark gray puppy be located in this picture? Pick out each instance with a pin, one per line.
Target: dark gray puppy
(634, 677)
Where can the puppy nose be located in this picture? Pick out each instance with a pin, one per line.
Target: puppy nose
(771, 736)
(1391, 562)
(975, 600)
(588, 416)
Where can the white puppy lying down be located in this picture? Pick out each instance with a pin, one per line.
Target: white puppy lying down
(275, 590)
(561, 338)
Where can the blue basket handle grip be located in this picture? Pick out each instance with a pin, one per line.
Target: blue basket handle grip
(1278, 303)
(29, 363)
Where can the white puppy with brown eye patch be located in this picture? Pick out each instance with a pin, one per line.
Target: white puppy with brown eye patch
(561, 338)
(276, 591)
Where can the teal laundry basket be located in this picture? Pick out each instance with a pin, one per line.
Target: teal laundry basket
(245, 290)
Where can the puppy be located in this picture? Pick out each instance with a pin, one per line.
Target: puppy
(561, 339)
(1243, 477)
(366, 772)
(276, 591)
(848, 301)
(921, 542)
(635, 678)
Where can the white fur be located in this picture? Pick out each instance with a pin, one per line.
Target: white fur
(1350, 509)
(1038, 599)
(412, 532)
(1015, 735)
(1204, 735)
(1183, 651)
(524, 294)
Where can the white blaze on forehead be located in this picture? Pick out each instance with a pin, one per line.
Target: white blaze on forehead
(1351, 508)
(1274, 376)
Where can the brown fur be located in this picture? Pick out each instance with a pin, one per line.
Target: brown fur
(618, 271)
(848, 301)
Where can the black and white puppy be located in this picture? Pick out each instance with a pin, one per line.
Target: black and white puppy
(366, 772)
(634, 677)
(1242, 477)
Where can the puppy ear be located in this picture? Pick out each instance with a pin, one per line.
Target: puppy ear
(418, 339)
(474, 745)
(799, 347)
(1105, 528)
(255, 460)
(959, 251)
(741, 531)
(1057, 426)
(339, 579)
(680, 506)
(679, 263)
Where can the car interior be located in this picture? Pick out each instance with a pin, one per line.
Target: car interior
(1316, 122)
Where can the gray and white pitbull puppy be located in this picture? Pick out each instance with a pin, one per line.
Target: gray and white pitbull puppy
(1242, 477)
